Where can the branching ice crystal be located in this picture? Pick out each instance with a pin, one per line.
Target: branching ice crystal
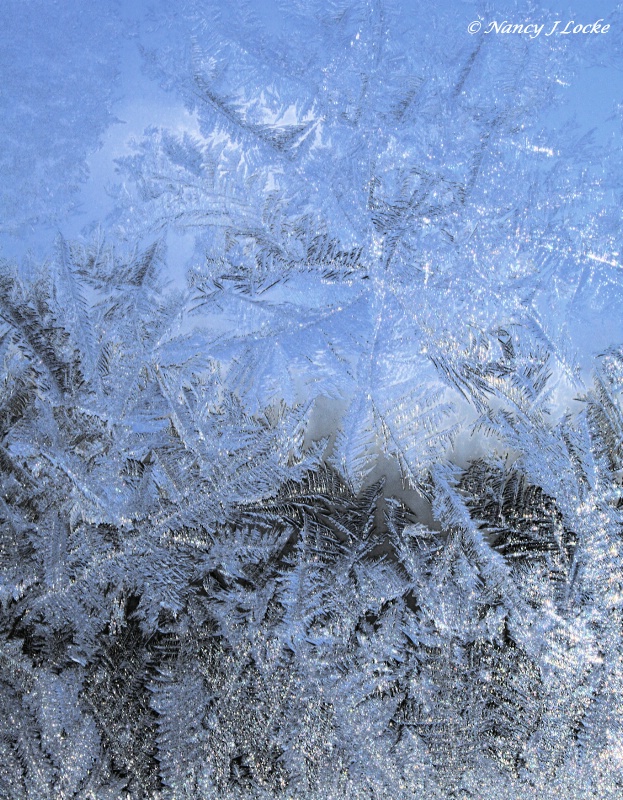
(343, 519)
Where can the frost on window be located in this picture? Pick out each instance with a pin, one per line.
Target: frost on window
(342, 517)
(58, 70)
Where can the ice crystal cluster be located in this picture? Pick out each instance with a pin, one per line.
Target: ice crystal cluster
(343, 519)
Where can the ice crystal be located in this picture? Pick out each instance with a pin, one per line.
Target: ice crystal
(343, 518)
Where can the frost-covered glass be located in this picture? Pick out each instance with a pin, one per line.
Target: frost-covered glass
(311, 412)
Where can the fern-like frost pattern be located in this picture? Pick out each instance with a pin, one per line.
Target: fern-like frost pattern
(342, 517)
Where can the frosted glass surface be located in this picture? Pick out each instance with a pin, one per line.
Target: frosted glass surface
(311, 409)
